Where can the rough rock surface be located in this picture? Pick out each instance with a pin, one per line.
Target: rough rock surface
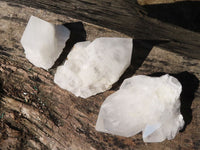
(152, 2)
(57, 119)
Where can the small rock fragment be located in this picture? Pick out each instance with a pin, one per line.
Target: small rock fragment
(43, 42)
(143, 103)
(92, 67)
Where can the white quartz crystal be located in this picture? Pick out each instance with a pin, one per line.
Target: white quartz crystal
(143, 103)
(92, 67)
(43, 42)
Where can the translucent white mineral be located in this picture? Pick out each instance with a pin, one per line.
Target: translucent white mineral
(143, 103)
(43, 42)
(92, 67)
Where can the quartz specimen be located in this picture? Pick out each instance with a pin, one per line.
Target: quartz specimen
(143, 103)
(43, 42)
(92, 67)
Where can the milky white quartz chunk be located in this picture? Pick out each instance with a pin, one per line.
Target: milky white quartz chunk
(43, 42)
(143, 103)
(92, 67)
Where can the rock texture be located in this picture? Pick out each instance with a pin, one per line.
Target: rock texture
(143, 103)
(35, 114)
(152, 2)
(43, 42)
(92, 68)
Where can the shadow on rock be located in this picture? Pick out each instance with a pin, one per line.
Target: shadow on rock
(190, 84)
(184, 14)
(1, 88)
(78, 34)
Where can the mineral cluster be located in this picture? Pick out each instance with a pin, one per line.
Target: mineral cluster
(143, 103)
(92, 67)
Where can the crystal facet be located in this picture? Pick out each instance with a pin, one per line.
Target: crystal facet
(92, 67)
(143, 103)
(43, 42)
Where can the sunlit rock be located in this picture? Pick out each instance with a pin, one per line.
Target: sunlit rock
(43, 42)
(157, 2)
(92, 67)
(143, 103)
